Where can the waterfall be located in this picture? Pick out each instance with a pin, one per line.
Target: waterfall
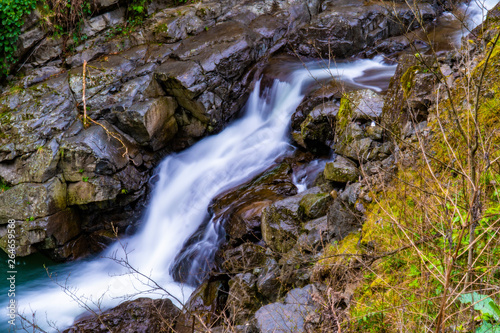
(187, 182)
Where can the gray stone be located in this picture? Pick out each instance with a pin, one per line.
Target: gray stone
(30, 201)
(93, 190)
(281, 222)
(91, 152)
(150, 122)
(341, 170)
(290, 316)
(242, 300)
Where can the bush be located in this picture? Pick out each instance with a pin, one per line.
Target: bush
(11, 18)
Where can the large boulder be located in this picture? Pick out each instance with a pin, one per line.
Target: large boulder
(242, 208)
(293, 315)
(341, 170)
(358, 135)
(244, 258)
(29, 201)
(282, 221)
(410, 92)
(314, 205)
(344, 214)
(139, 316)
(317, 130)
(344, 27)
(91, 152)
(242, 299)
(150, 122)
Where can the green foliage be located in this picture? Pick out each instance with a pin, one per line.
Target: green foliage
(11, 18)
(490, 312)
(137, 12)
(3, 186)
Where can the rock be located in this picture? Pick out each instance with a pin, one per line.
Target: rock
(316, 235)
(46, 233)
(268, 283)
(291, 315)
(242, 301)
(342, 218)
(206, 304)
(317, 130)
(29, 201)
(41, 74)
(226, 48)
(281, 222)
(28, 39)
(184, 80)
(246, 202)
(37, 167)
(30, 118)
(344, 28)
(173, 24)
(362, 105)
(374, 132)
(139, 316)
(62, 226)
(295, 267)
(341, 170)
(93, 190)
(410, 92)
(350, 193)
(101, 76)
(151, 122)
(246, 221)
(244, 258)
(315, 205)
(359, 112)
(48, 49)
(330, 92)
(91, 152)
(94, 26)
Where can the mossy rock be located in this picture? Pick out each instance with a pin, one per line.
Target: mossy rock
(341, 170)
(315, 205)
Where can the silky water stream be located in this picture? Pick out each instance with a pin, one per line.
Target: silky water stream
(186, 184)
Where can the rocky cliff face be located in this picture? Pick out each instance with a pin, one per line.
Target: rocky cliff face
(180, 76)
(155, 89)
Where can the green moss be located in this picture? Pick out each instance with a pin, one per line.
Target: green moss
(344, 115)
(407, 79)
(161, 28)
(5, 117)
(3, 185)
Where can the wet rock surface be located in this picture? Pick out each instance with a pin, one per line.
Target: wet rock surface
(152, 92)
(181, 76)
(141, 315)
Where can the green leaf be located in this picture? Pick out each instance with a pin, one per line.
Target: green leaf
(482, 303)
(487, 327)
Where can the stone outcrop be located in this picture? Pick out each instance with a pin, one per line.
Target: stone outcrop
(151, 91)
(141, 316)
(346, 27)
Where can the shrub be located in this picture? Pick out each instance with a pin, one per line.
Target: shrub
(11, 18)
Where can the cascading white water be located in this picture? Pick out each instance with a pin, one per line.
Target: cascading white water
(187, 183)
(474, 12)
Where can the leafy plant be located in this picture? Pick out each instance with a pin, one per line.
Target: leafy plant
(3, 186)
(490, 312)
(12, 13)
